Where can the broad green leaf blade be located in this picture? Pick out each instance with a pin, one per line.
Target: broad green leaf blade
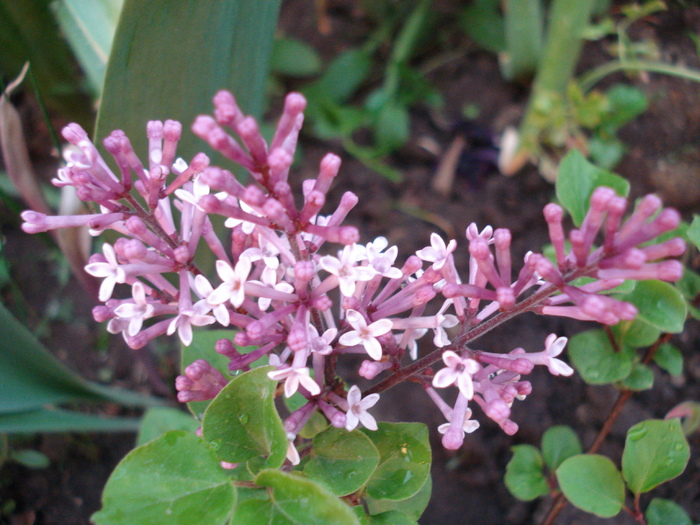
(689, 286)
(670, 359)
(635, 334)
(592, 483)
(30, 458)
(640, 378)
(169, 59)
(412, 507)
(294, 58)
(32, 377)
(173, 480)
(576, 180)
(655, 451)
(660, 305)
(594, 357)
(342, 460)
(524, 28)
(300, 501)
(89, 27)
(559, 443)
(666, 512)
(392, 127)
(241, 423)
(694, 231)
(524, 477)
(157, 421)
(404, 462)
(55, 420)
(29, 33)
(483, 22)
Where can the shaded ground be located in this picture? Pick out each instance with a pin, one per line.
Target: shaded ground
(663, 156)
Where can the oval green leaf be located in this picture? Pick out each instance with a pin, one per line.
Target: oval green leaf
(640, 378)
(660, 305)
(172, 480)
(342, 460)
(576, 180)
(559, 443)
(294, 58)
(524, 477)
(593, 484)
(655, 451)
(666, 512)
(594, 357)
(242, 423)
(404, 460)
(413, 507)
(301, 501)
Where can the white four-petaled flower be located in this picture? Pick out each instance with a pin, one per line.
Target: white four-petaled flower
(110, 270)
(458, 370)
(233, 287)
(293, 378)
(437, 252)
(346, 269)
(357, 409)
(137, 311)
(365, 334)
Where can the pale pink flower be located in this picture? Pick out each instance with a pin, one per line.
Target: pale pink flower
(346, 269)
(437, 252)
(321, 344)
(293, 378)
(365, 334)
(137, 311)
(458, 370)
(187, 318)
(357, 409)
(383, 262)
(110, 270)
(233, 287)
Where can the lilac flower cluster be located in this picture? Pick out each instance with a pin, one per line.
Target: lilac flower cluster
(303, 310)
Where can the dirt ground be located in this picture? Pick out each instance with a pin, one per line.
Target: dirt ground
(663, 156)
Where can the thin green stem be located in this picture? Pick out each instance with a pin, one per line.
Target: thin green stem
(592, 77)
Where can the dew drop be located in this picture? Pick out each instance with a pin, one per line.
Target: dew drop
(636, 435)
(243, 418)
(678, 447)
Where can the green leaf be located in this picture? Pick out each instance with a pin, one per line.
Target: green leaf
(342, 77)
(660, 305)
(693, 232)
(594, 357)
(655, 451)
(169, 59)
(294, 58)
(524, 28)
(666, 512)
(413, 507)
(173, 480)
(30, 458)
(592, 483)
(635, 334)
(524, 477)
(89, 27)
(689, 286)
(391, 517)
(640, 378)
(56, 420)
(31, 377)
(392, 127)
(204, 347)
(342, 460)
(242, 423)
(626, 103)
(670, 359)
(300, 501)
(158, 421)
(559, 443)
(576, 180)
(404, 460)
(483, 22)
